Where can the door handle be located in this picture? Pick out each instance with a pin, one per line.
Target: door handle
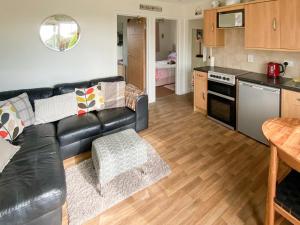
(274, 24)
(212, 27)
(203, 95)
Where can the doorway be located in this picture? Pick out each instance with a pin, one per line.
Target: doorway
(131, 33)
(166, 57)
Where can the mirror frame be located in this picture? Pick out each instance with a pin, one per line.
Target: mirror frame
(54, 49)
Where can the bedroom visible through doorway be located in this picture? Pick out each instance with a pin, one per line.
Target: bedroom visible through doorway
(166, 57)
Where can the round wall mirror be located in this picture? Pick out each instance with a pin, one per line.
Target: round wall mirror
(60, 32)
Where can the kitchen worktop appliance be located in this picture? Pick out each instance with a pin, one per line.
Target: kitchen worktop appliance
(257, 104)
(221, 100)
(274, 70)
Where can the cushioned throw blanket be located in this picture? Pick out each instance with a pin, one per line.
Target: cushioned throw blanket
(131, 94)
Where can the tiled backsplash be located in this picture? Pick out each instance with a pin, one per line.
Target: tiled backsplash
(234, 55)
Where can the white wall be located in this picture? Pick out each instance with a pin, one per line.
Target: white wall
(26, 63)
(167, 38)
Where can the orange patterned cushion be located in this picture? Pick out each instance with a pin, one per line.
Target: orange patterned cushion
(89, 99)
(11, 126)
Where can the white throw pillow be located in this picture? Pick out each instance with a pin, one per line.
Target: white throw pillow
(7, 151)
(55, 108)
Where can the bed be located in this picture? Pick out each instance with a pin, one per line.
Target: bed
(165, 71)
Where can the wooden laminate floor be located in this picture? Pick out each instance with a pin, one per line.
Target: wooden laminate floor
(163, 92)
(219, 177)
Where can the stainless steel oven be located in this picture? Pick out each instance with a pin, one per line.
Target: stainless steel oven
(221, 101)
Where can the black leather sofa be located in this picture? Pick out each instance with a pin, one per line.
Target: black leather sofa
(32, 185)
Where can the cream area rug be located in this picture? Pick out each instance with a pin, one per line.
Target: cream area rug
(85, 203)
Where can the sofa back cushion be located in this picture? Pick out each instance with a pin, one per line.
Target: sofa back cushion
(33, 94)
(59, 89)
(66, 88)
(106, 79)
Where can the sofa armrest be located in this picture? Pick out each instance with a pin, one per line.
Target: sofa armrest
(142, 113)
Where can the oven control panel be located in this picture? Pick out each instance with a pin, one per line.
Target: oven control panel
(222, 78)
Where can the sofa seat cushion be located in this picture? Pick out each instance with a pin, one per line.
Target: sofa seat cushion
(111, 119)
(33, 183)
(76, 128)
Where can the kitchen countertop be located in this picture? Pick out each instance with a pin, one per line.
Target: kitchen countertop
(258, 78)
(262, 79)
(218, 69)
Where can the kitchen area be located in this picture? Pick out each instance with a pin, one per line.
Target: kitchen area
(240, 88)
(242, 100)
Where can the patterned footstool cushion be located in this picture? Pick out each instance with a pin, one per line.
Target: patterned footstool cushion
(117, 153)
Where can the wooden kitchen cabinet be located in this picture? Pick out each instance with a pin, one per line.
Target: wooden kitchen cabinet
(200, 91)
(290, 28)
(290, 104)
(213, 37)
(262, 25)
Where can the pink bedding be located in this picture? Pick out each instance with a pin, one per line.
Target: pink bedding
(165, 76)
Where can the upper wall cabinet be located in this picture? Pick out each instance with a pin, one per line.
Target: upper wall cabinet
(213, 37)
(262, 25)
(290, 28)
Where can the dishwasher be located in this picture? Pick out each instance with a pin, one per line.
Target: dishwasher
(256, 104)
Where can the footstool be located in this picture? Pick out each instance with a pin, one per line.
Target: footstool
(117, 153)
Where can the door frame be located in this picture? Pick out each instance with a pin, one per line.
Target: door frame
(190, 68)
(150, 51)
(176, 20)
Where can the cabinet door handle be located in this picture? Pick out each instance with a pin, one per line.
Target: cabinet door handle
(212, 27)
(203, 95)
(274, 24)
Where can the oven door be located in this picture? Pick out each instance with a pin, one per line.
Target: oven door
(221, 88)
(222, 108)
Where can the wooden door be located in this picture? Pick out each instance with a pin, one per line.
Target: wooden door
(136, 39)
(290, 28)
(290, 104)
(262, 28)
(200, 91)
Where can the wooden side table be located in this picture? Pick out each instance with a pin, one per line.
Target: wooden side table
(284, 137)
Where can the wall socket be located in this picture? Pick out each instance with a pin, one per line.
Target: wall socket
(250, 58)
(291, 63)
